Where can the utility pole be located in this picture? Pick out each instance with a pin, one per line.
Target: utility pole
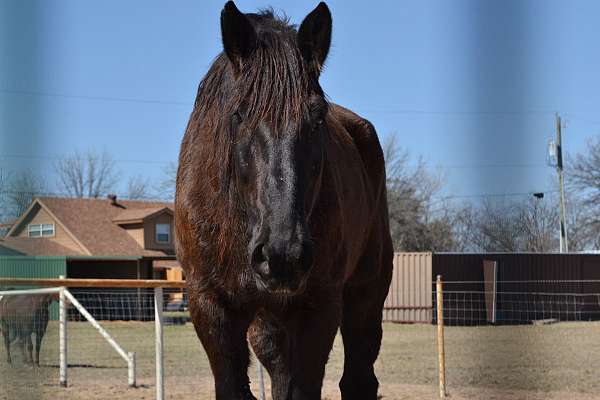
(564, 244)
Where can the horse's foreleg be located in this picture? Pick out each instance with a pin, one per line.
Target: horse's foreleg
(29, 348)
(38, 345)
(271, 344)
(21, 344)
(313, 333)
(362, 333)
(222, 332)
(6, 336)
(295, 348)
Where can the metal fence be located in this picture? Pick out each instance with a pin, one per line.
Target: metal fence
(507, 337)
(520, 302)
(513, 339)
(409, 297)
(107, 342)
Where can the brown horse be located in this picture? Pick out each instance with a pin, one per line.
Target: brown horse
(281, 215)
(22, 316)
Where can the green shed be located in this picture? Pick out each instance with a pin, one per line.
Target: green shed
(33, 267)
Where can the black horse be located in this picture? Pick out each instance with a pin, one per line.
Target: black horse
(281, 215)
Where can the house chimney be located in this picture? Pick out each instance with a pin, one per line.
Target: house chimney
(113, 199)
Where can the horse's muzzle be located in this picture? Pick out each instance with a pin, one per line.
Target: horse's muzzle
(282, 267)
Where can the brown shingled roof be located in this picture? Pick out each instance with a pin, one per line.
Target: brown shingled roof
(37, 247)
(91, 223)
(137, 214)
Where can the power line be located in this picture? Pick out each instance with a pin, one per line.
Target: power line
(162, 162)
(491, 195)
(442, 198)
(100, 98)
(55, 158)
(589, 121)
(457, 112)
(466, 166)
(34, 193)
(382, 108)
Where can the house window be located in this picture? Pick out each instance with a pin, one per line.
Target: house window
(40, 230)
(163, 233)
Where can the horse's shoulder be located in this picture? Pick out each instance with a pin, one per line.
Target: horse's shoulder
(362, 133)
(360, 128)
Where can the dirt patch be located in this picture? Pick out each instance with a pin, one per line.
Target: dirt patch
(554, 362)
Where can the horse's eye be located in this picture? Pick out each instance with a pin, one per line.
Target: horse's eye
(236, 118)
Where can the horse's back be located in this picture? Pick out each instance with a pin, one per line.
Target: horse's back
(366, 141)
(377, 251)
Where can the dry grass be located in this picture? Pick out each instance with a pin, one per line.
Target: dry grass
(512, 362)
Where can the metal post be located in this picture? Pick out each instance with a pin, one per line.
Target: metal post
(261, 381)
(131, 368)
(564, 243)
(158, 307)
(112, 342)
(62, 336)
(440, 336)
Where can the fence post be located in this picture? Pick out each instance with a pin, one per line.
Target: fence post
(131, 369)
(158, 307)
(440, 335)
(62, 336)
(261, 380)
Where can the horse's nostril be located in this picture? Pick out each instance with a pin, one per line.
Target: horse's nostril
(259, 254)
(307, 258)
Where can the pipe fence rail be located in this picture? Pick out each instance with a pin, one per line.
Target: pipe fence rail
(134, 339)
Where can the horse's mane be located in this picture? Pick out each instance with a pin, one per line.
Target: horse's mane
(273, 86)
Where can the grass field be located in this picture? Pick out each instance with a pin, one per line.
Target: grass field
(512, 362)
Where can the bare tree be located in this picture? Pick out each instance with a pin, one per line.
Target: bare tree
(583, 232)
(17, 191)
(584, 176)
(509, 226)
(166, 188)
(538, 220)
(88, 174)
(415, 224)
(138, 188)
(497, 227)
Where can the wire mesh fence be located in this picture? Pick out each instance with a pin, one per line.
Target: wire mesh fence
(513, 339)
(520, 302)
(529, 336)
(97, 370)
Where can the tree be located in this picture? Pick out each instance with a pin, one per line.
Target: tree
(17, 191)
(496, 227)
(166, 187)
(88, 174)
(530, 225)
(584, 176)
(538, 222)
(138, 188)
(415, 225)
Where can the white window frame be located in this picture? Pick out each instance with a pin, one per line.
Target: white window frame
(156, 233)
(40, 229)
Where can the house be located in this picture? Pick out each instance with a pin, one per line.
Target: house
(97, 238)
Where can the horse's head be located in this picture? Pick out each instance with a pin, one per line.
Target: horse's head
(276, 115)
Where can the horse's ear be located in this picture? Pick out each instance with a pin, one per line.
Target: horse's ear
(314, 36)
(239, 36)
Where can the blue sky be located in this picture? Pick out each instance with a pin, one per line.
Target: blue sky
(472, 86)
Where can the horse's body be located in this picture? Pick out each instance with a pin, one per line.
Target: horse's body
(286, 238)
(21, 317)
